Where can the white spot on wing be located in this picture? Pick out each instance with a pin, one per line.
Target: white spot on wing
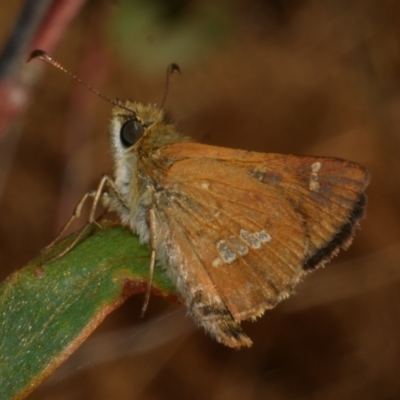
(251, 239)
(226, 253)
(229, 250)
(314, 184)
(217, 262)
(263, 236)
(205, 185)
(316, 166)
(256, 239)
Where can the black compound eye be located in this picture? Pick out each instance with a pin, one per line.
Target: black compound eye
(131, 132)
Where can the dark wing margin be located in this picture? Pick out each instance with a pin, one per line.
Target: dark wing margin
(342, 238)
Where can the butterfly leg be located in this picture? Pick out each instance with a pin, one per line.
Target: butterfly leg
(153, 238)
(76, 214)
(96, 195)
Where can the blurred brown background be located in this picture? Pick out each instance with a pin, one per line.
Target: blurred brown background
(303, 77)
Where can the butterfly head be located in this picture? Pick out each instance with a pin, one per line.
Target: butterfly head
(140, 129)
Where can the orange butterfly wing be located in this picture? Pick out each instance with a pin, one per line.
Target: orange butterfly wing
(242, 227)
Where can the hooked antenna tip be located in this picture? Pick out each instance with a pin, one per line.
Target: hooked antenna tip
(173, 68)
(37, 54)
(170, 70)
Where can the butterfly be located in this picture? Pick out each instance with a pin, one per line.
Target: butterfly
(235, 230)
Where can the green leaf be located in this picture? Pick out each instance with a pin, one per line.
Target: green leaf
(48, 309)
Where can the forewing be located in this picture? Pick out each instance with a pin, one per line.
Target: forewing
(243, 227)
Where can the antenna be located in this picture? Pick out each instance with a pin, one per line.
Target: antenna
(42, 55)
(170, 70)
